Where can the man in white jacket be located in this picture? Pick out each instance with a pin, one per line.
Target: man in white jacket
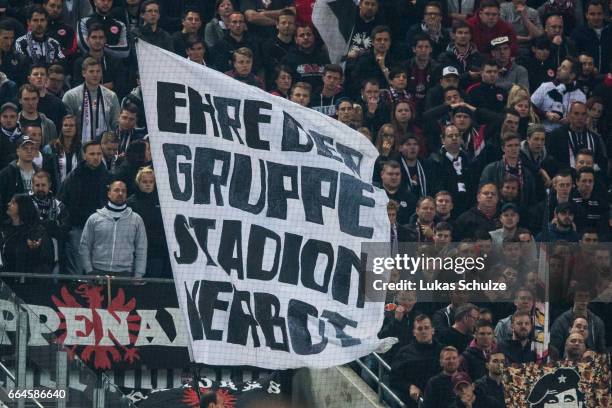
(114, 240)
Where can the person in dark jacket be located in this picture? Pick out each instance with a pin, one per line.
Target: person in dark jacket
(520, 348)
(150, 30)
(465, 396)
(416, 363)
(137, 155)
(462, 54)
(307, 58)
(491, 383)
(460, 334)
(399, 319)
(145, 202)
(486, 94)
(439, 388)
(16, 178)
(562, 226)
(474, 359)
(83, 192)
(483, 217)
(235, 37)
(26, 246)
(593, 36)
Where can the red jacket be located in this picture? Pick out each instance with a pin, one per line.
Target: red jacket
(482, 35)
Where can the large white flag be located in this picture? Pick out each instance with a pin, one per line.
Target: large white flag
(335, 21)
(265, 206)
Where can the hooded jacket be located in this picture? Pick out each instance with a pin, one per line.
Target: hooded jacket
(114, 241)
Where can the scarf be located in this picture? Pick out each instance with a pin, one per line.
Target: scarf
(93, 123)
(519, 171)
(12, 135)
(39, 51)
(462, 56)
(45, 207)
(433, 32)
(578, 141)
(124, 139)
(457, 163)
(420, 176)
(114, 207)
(476, 139)
(67, 161)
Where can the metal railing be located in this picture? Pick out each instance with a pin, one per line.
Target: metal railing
(382, 389)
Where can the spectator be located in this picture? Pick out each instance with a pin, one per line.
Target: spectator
(593, 36)
(538, 62)
(445, 317)
(55, 81)
(324, 99)
(128, 13)
(236, 37)
(149, 30)
(375, 62)
(524, 20)
(431, 26)
(57, 29)
(97, 106)
(399, 319)
(196, 50)
(462, 53)
(421, 226)
(191, 21)
(398, 81)
(36, 45)
(42, 160)
(592, 205)
(481, 217)
(16, 178)
(308, 59)
(535, 156)
(511, 164)
(487, 25)
(567, 140)
(83, 191)
(455, 167)
(215, 29)
(562, 46)
(391, 176)
(26, 246)
(114, 240)
(444, 207)
(145, 202)
(14, 64)
(110, 150)
(588, 78)
(126, 127)
(117, 44)
(10, 132)
(415, 363)
(29, 98)
(420, 177)
(435, 95)
(439, 388)
(344, 114)
(475, 357)
(368, 17)
(50, 105)
(562, 226)
(375, 113)
(403, 119)
(491, 384)
(242, 61)
(66, 149)
(300, 93)
(282, 81)
(423, 71)
(560, 328)
(261, 15)
(519, 349)
(486, 93)
(575, 348)
(465, 396)
(137, 155)
(524, 301)
(509, 218)
(52, 212)
(276, 48)
(460, 334)
(596, 122)
(510, 73)
(111, 66)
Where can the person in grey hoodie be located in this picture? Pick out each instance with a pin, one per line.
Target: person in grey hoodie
(114, 240)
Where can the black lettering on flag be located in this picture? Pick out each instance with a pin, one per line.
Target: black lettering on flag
(167, 102)
(290, 265)
(187, 246)
(310, 255)
(240, 322)
(240, 185)
(197, 110)
(256, 252)
(291, 135)
(349, 203)
(312, 190)
(267, 313)
(340, 322)
(277, 194)
(231, 241)
(209, 302)
(171, 152)
(204, 166)
(252, 118)
(324, 145)
(297, 319)
(229, 125)
(201, 227)
(347, 262)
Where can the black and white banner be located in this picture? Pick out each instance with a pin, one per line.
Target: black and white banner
(265, 205)
(335, 20)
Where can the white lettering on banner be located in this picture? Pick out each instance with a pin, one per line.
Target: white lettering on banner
(266, 205)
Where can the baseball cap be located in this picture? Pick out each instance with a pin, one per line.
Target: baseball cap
(460, 378)
(450, 70)
(8, 105)
(569, 207)
(497, 41)
(24, 140)
(509, 206)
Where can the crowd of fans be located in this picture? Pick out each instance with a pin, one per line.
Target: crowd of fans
(492, 121)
